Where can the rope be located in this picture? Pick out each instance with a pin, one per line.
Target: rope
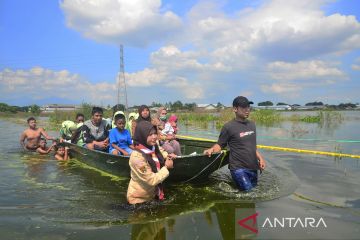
(221, 153)
(311, 139)
(335, 154)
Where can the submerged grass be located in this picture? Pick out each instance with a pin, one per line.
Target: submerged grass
(322, 117)
(265, 117)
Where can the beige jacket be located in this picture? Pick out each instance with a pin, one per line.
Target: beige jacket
(143, 180)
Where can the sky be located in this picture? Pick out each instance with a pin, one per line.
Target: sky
(67, 51)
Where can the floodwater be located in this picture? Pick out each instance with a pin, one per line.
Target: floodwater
(42, 198)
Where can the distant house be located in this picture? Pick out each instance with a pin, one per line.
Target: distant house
(59, 107)
(310, 107)
(205, 107)
(278, 107)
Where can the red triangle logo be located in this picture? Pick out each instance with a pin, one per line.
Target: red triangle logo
(252, 228)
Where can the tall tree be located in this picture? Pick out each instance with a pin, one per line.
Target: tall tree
(178, 105)
(35, 109)
(314, 104)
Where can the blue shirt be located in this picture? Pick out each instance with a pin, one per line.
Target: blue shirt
(121, 139)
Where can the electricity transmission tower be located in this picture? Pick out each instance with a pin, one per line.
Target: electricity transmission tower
(121, 91)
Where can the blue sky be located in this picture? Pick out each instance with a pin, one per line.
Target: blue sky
(194, 51)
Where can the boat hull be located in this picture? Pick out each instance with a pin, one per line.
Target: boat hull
(193, 168)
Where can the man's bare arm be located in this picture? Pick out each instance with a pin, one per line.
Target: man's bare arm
(214, 149)
(261, 160)
(44, 133)
(22, 140)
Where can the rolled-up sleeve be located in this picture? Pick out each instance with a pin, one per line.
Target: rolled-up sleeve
(142, 172)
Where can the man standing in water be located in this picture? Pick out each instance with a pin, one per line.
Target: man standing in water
(240, 136)
(32, 135)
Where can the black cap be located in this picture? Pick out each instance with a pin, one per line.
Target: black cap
(241, 101)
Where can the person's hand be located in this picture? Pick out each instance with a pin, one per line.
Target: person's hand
(102, 144)
(169, 164)
(171, 156)
(262, 164)
(209, 151)
(125, 153)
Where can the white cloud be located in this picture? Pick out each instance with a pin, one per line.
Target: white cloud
(280, 30)
(281, 88)
(136, 22)
(190, 90)
(355, 67)
(41, 83)
(290, 79)
(292, 45)
(303, 70)
(146, 77)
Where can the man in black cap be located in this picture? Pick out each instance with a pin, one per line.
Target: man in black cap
(240, 136)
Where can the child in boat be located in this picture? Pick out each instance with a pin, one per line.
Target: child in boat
(61, 152)
(113, 125)
(171, 145)
(120, 139)
(43, 149)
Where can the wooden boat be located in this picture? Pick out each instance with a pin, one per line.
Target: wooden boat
(192, 167)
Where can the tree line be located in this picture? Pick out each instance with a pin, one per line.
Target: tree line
(340, 106)
(35, 109)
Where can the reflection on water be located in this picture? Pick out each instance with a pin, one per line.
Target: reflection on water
(218, 222)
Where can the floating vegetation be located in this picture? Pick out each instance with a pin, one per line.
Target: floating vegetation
(322, 117)
(310, 119)
(266, 116)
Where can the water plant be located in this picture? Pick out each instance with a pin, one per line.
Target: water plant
(266, 116)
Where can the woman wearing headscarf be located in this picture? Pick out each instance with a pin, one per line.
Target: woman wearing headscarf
(67, 130)
(132, 118)
(149, 167)
(144, 115)
(160, 119)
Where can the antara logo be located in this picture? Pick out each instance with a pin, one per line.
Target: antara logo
(285, 222)
(252, 228)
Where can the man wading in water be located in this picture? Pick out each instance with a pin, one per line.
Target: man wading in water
(32, 135)
(240, 135)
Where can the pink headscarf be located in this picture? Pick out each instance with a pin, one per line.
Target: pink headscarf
(173, 118)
